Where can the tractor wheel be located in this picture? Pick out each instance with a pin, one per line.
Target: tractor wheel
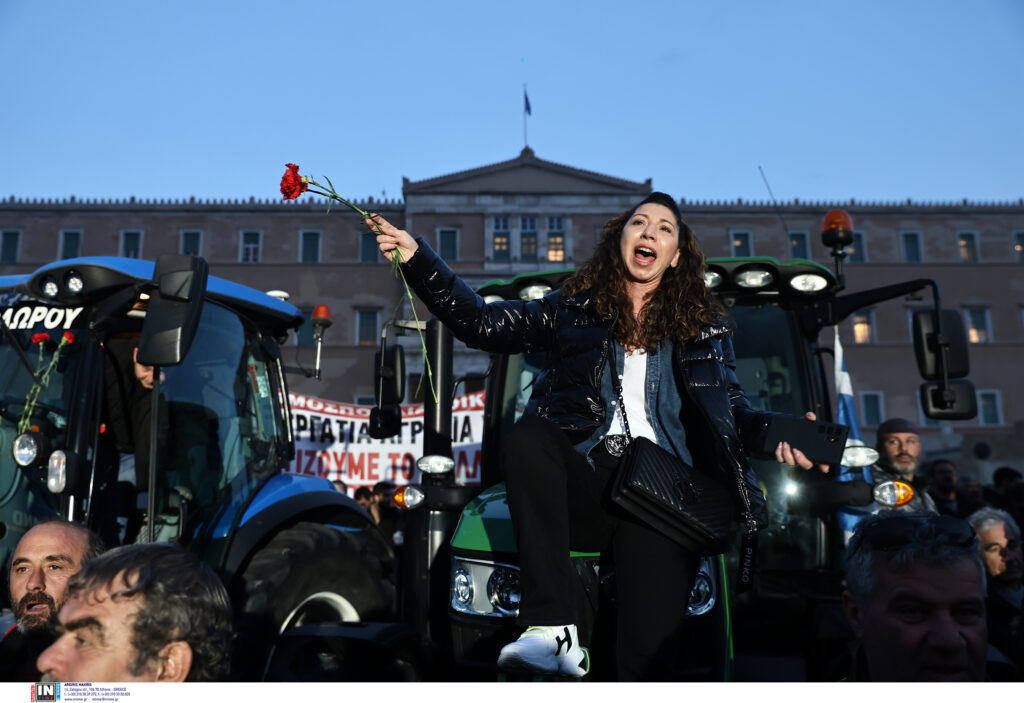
(308, 574)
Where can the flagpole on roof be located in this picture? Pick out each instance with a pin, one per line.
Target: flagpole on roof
(526, 112)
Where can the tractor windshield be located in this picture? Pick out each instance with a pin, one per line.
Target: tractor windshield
(220, 427)
(39, 357)
(774, 374)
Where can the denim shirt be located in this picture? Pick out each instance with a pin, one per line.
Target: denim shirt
(662, 398)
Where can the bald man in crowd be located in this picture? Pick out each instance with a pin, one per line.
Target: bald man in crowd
(46, 557)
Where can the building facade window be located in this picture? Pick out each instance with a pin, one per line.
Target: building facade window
(990, 408)
(502, 241)
(978, 330)
(856, 253)
(528, 238)
(448, 243)
(10, 242)
(872, 408)
(528, 246)
(864, 327)
(556, 239)
(501, 244)
(1018, 247)
(191, 242)
(131, 243)
(798, 246)
(250, 245)
(369, 250)
(309, 247)
(911, 242)
(556, 246)
(367, 327)
(968, 246)
(70, 244)
(742, 244)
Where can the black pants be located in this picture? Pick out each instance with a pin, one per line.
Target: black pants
(558, 502)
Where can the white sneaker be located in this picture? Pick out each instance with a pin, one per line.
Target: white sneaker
(550, 650)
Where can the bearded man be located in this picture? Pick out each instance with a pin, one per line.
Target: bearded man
(46, 557)
(899, 455)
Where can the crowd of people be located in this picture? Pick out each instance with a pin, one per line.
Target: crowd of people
(636, 347)
(140, 612)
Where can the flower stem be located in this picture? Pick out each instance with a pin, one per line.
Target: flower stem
(396, 268)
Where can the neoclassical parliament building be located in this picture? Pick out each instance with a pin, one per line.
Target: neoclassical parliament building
(529, 214)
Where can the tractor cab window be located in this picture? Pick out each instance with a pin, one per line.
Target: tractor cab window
(773, 375)
(219, 425)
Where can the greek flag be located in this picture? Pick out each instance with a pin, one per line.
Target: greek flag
(847, 518)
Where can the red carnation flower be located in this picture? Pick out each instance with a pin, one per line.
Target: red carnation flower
(292, 184)
(69, 337)
(40, 337)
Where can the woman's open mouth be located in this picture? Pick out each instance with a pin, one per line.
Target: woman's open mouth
(644, 256)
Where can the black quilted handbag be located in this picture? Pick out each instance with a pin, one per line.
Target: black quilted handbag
(663, 491)
(666, 493)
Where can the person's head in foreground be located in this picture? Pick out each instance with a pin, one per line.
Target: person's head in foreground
(915, 598)
(142, 612)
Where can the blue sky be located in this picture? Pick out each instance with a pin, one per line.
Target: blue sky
(877, 100)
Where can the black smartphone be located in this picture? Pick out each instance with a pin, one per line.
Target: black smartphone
(821, 442)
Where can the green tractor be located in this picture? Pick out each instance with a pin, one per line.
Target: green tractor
(464, 578)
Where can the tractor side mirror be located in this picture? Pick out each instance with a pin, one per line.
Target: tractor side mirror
(389, 391)
(389, 375)
(928, 345)
(956, 401)
(175, 306)
(943, 398)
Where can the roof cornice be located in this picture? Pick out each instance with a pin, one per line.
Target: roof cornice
(526, 158)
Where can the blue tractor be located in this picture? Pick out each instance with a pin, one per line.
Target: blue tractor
(198, 457)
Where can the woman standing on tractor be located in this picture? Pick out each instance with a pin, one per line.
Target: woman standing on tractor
(642, 298)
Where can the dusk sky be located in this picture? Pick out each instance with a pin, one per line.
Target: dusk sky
(878, 100)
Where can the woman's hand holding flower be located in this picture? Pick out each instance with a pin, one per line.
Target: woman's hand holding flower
(390, 238)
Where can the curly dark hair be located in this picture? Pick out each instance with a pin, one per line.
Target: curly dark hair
(676, 309)
(182, 599)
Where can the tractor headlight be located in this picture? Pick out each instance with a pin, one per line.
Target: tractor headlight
(28, 447)
(462, 588)
(49, 287)
(713, 279)
(808, 283)
(74, 282)
(534, 291)
(856, 454)
(702, 597)
(435, 464)
(503, 590)
(893, 494)
(499, 598)
(754, 278)
(57, 472)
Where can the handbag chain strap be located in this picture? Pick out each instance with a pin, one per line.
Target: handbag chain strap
(618, 391)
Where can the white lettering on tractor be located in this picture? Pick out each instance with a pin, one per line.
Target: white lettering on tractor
(28, 316)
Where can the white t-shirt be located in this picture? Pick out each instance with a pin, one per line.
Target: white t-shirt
(634, 381)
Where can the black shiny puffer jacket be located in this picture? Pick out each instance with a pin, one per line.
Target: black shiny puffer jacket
(717, 416)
